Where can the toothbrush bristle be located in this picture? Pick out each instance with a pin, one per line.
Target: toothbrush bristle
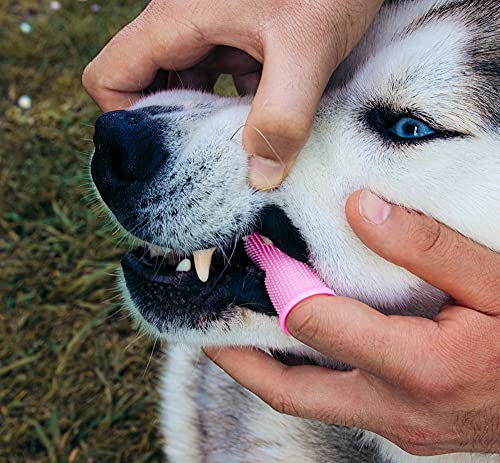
(287, 281)
(254, 249)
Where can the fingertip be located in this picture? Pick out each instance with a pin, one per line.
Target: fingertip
(89, 78)
(363, 228)
(264, 173)
(215, 353)
(107, 99)
(277, 128)
(272, 140)
(229, 355)
(371, 218)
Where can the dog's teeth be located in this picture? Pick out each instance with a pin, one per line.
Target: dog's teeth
(184, 266)
(202, 260)
(266, 239)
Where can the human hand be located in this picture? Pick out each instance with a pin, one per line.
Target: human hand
(299, 44)
(429, 386)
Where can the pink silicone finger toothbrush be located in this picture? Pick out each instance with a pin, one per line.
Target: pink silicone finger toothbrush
(287, 281)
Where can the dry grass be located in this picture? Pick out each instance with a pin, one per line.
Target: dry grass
(73, 379)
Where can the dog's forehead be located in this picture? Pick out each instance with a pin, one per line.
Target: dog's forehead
(434, 57)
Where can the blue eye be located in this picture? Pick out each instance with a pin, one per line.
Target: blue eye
(411, 129)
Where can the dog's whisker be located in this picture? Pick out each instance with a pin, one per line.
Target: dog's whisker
(135, 340)
(180, 79)
(236, 131)
(150, 357)
(268, 143)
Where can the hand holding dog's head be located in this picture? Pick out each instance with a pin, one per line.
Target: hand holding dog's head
(406, 367)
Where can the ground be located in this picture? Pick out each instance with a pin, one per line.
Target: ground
(77, 381)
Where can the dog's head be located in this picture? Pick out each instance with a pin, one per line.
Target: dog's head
(411, 115)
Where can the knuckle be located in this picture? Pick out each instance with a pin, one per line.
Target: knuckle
(89, 77)
(417, 439)
(282, 126)
(429, 238)
(93, 80)
(489, 287)
(281, 402)
(282, 122)
(296, 127)
(281, 399)
(425, 234)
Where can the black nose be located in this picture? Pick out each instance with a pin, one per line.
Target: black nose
(127, 149)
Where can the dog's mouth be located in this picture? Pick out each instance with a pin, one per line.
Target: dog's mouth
(173, 290)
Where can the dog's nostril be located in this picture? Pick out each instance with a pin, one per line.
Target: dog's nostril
(127, 142)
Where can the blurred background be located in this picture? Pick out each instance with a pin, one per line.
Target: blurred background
(77, 381)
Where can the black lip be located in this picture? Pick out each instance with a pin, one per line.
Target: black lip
(170, 300)
(150, 268)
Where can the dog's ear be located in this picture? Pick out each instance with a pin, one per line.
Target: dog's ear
(277, 227)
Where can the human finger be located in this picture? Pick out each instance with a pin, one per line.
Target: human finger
(467, 271)
(345, 398)
(358, 335)
(299, 58)
(116, 77)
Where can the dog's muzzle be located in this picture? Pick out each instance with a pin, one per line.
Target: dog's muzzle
(161, 284)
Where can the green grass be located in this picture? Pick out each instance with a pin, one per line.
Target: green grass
(74, 380)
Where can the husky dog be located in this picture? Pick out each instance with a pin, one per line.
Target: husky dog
(412, 115)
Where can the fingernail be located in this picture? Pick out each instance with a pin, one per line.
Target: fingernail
(372, 208)
(264, 173)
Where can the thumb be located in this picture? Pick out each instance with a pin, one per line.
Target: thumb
(444, 258)
(282, 114)
(299, 58)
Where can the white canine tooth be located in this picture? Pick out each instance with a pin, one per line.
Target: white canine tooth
(202, 260)
(184, 266)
